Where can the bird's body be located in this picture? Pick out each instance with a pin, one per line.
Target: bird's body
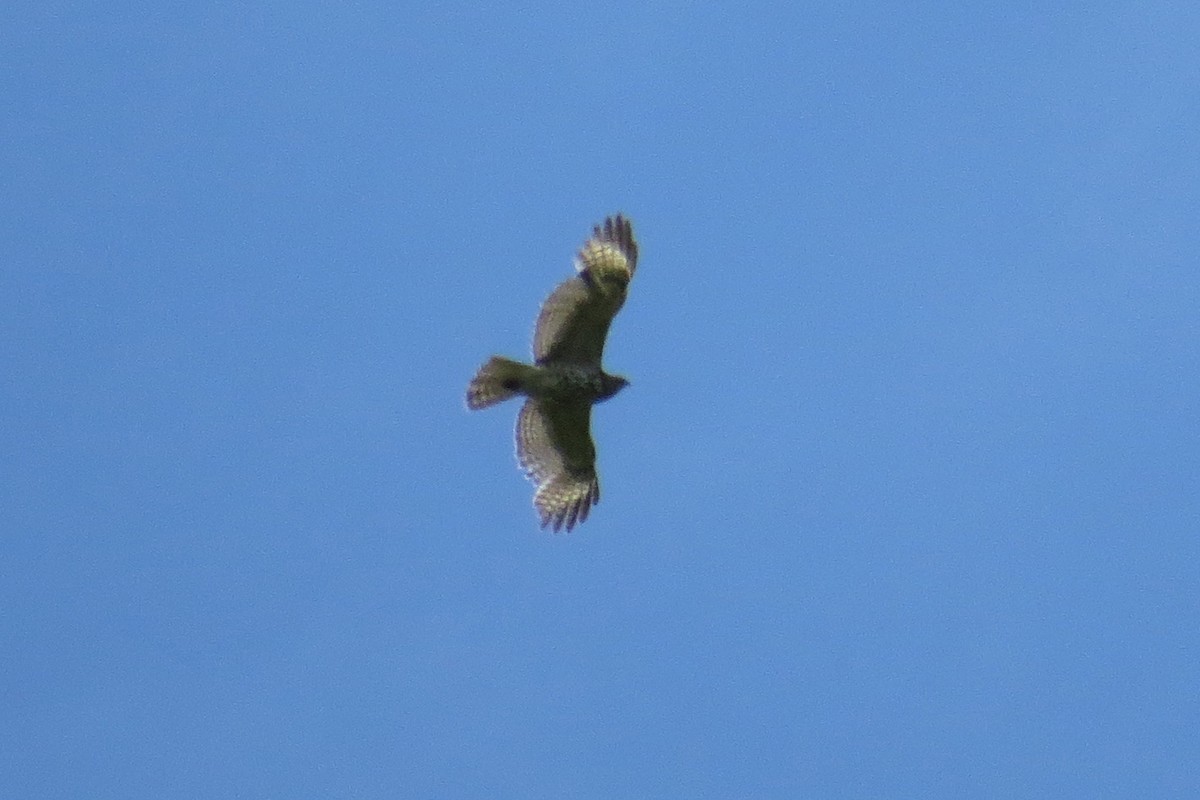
(554, 443)
(502, 378)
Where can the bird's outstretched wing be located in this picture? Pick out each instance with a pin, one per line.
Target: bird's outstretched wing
(575, 318)
(554, 446)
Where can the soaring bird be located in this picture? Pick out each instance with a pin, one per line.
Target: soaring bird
(554, 441)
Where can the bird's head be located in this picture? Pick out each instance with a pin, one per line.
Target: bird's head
(611, 384)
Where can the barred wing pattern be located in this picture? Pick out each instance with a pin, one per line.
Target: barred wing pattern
(575, 318)
(554, 446)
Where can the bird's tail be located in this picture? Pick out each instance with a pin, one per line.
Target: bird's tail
(498, 380)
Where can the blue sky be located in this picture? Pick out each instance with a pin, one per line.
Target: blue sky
(902, 501)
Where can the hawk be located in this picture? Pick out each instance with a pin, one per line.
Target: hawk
(554, 441)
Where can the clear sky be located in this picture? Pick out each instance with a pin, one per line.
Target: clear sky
(902, 501)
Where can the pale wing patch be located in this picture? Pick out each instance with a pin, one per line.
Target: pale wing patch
(611, 248)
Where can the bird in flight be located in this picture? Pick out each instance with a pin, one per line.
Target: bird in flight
(554, 441)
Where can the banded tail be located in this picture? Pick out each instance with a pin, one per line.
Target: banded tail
(498, 380)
